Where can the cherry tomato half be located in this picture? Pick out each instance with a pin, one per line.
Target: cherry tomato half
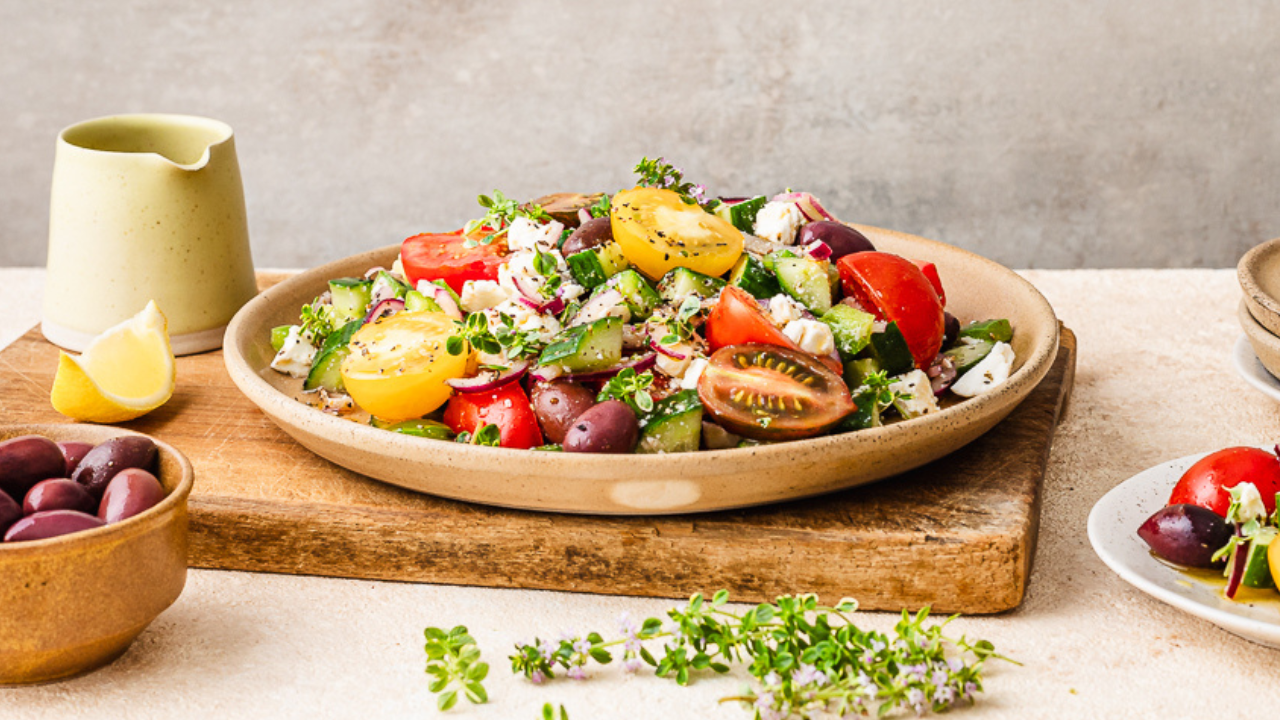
(931, 274)
(444, 256)
(1205, 483)
(508, 407)
(768, 392)
(895, 290)
(658, 231)
(737, 319)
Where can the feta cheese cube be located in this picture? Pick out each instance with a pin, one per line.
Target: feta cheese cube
(988, 374)
(527, 235)
(779, 222)
(672, 367)
(689, 381)
(480, 295)
(916, 385)
(783, 309)
(296, 354)
(813, 336)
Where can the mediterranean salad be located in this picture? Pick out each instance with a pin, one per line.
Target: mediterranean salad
(650, 320)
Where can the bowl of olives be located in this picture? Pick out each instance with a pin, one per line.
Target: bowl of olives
(94, 526)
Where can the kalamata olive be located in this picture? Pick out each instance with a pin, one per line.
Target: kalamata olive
(557, 404)
(10, 511)
(26, 460)
(59, 494)
(608, 427)
(51, 523)
(592, 233)
(842, 239)
(74, 452)
(1185, 534)
(950, 329)
(129, 493)
(120, 453)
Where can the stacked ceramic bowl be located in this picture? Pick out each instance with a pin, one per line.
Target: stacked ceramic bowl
(1259, 311)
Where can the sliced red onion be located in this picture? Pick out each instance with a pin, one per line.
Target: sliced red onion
(546, 373)
(942, 373)
(373, 272)
(446, 302)
(666, 351)
(554, 306)
(1239, 558)
(526, 287)
(390, 306)
(584, 215)
(597, 307)
(818, 250)
(807, 203)
(488, 379)
(529, 303)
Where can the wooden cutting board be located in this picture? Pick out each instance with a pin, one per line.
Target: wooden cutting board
(958, 534)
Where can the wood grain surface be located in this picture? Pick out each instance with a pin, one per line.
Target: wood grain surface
(958, 534)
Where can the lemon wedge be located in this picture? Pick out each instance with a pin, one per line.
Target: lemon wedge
(126, 372)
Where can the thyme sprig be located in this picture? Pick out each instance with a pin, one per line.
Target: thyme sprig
(319, 320)
(453, 662)
(474, 331)
(500, 212)
(681, 326)
(544, 264)
(662, 174)
(631, 388)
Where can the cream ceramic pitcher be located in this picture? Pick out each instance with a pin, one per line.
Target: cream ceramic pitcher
(146, 207)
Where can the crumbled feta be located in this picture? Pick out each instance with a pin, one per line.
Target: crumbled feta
(570, 291)
(918, 394)
(783, 309)
(397, 267)
(519, 271)
(812, 336)
(779, 222)
(480, 295)
(1251, 505)
(528, 235)
(498, 358)
(990, 372)
(690, 379)
(296, 354)
(525, 319)
(672, 367)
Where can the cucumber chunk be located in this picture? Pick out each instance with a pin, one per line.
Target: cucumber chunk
(856, 372)
(350, 297)
(805, 280)
(967, 354)
(586, 348)
(674, 426)
(681, 282)
(750, 274)
(279, 335)
(638, 295)
(592, 267)
(384, 279)
(415, 301)
(742, 214)
(889, 350)
(866, 416)
(1257, 572)
(850, 327)
(326, 368)
(418, 428)
(989, 330)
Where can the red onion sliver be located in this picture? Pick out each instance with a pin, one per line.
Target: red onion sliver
(807, 203)
(390, 306)
(1238, 559)
(584, 215)
(446, 302)
(483, 382)
(666, 351)
(818, 250)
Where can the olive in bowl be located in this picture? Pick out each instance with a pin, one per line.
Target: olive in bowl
(75, 602)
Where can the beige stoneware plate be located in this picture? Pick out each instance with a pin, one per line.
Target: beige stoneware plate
(1259, 274)
(652, 484)
(1265, 345)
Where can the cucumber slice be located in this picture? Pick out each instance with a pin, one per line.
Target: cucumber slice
(851, 328)
(592, 267)
(415, 301)
(549, 448)
(418, 428)
(1257, 572)
(637, 293)
(856, 372)
(350, 297)
(750, 274)
(989, 330)
(866, 416)
(806, 281)
(742, 214)
(833, 278)
(326, 368)
(771, 260)
(889, 350)
(674, 426)
(681, 282)
(586, 348)
(966, 355)
(384, 280)
(279, 335)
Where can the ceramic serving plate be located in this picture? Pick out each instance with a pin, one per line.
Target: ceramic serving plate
(652, 484)
(1113, 532)
(1249, 367)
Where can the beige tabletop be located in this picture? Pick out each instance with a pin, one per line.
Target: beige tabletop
(1154, 382)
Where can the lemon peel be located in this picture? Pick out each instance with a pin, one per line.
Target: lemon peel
(125, 373)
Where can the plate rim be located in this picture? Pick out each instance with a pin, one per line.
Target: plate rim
(1248, 367)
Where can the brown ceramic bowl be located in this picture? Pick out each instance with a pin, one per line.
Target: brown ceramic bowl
(1259, 275)
(74, 603)
(1265, 345)
(652, 484)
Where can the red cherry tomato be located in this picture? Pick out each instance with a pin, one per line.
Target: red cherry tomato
(931, 274)
(769, 392)
(508, 407)
(1205, 483)
(444, 256)
(895, 290)
(737, 319)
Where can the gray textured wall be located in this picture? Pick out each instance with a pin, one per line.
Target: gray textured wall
(1090, 133)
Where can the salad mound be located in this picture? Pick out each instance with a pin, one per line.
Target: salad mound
(651, 320)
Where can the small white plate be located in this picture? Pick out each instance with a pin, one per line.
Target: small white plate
(1249, 367)
(1113, 532)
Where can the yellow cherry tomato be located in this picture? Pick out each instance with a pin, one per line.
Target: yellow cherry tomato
(1273, 560)
(397, 365)
(658, 231)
